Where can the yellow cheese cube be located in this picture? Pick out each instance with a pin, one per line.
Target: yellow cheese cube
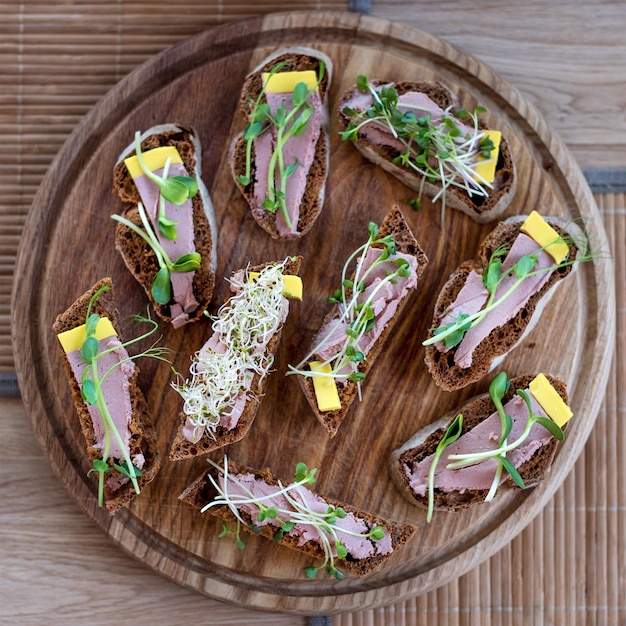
(539, 230)
(550, 401)
(293, 285)
(486, 166)
(73, 339)
(325, 388)
(154, 160)
(285, 82)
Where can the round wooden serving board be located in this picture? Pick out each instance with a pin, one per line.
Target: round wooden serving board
(68, 245)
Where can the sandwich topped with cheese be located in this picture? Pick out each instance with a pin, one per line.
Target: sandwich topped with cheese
(416, 132)
(507, 437)
(490, 303)
(280, 161)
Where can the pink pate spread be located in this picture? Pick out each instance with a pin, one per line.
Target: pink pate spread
(485, 436)
(385, 303)
(182, 282)
(358, 547)
(473, 296)
(300, 150)
(116, 393)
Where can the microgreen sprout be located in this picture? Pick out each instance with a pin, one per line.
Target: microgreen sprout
(161, 285)
(175, 189)
(441, 150)
(452, 333)
(289, 120)
(285, 507)
(356, 313)
(452, 433)
(245, 325)
(92, 381)
(497, 390)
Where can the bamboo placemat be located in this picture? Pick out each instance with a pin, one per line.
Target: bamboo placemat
(568, 566)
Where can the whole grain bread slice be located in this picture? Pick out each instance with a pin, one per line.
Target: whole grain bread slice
(298, 58)
(492, 350)
(393, 224)
(182, 448)
(424, 443)
(143, 439)
(202, 491)
(138, 257)
(480, 208)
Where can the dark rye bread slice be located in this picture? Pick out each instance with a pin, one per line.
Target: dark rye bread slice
(492, 350)
(295, 59)
(143, 436)
(393, 224)
(480, 208)
(201, 492)
(137, 255)
(182, 448)
(424, 443)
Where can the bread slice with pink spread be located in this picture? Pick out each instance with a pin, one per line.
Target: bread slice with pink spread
(280, 161)
(473, 327)
(293, 516)
(447, 169)
(183, 228)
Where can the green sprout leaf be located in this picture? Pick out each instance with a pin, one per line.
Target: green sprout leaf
(89, 349)
(162, 287)
(187, 263)
(88, 392)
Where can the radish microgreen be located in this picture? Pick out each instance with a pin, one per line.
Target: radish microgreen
(439, 151)
(161, 285)
(289, 120)
(452, 333)
(355, 312)
(286, 507)
(92, 381)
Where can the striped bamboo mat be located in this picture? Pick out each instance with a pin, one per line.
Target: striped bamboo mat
(568, 567)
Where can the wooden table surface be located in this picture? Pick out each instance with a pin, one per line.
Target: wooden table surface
(568, 566)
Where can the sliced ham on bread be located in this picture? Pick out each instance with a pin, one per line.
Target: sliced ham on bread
(372, 551)
(139, 257)
(307, 154)
(484, 346)
(456, 489)
(385, 151)
(207, 421)
(142, 444)
(394, 225)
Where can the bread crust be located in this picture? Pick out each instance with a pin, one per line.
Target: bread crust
(481, 209)
(138, 257)
(143, 435)
(297, 59)
(182, 448)
(424, 443)
(490, 352)
(406, 243)
(201, 492)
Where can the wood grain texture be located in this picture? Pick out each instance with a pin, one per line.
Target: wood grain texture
(156, 528)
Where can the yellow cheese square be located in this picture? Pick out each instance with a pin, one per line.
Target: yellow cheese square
(292, 285)
(74, 338)
(486, 166)
(550, 401)
(154, 160)
(539, 230)
(285, 82)
(325, 388)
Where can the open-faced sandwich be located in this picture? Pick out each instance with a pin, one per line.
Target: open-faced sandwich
(114, 419)
(294, 516)
(509, 435)
(412, 130)
(366, 306)
(167, 234)
(228, 374)
(488, 304)
(280, 161)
